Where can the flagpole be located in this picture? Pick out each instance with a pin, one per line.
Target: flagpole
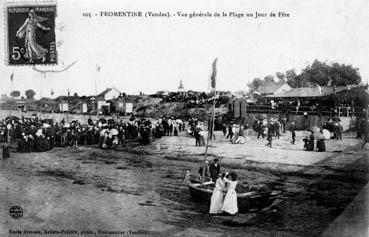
(96, 80)
(11, 89)
(213, 86)
(96, 89)
(68, 106)
(42, 77)
(96, 71)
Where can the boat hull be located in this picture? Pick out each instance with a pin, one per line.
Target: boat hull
(245, 201)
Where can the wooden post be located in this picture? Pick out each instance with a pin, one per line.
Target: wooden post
(208, 138)
(68, 106)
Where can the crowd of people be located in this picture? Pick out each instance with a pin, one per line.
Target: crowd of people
(271, 129)
(37, 135)
(196, 129)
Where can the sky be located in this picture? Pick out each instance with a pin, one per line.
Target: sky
(152, 54)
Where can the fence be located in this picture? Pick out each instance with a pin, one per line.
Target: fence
(301, 110)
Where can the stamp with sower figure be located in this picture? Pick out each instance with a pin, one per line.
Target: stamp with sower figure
(30, 34)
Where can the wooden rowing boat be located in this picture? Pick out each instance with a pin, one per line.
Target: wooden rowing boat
(248, 198)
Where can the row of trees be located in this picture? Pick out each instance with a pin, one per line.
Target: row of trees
(319, 73)
(30, 94)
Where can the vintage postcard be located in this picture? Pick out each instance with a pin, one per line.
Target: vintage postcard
(184, 118)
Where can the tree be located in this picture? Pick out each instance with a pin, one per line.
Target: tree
(75, 95)
(30, 94)
(322, 74)
(318, 73)
(15, 94)
(281, 76)
(342, 75)
(291, 78)
(254, 85)
(269, 78)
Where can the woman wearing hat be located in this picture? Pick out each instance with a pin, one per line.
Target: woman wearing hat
(230, 205)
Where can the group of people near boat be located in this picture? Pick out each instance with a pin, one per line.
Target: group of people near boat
(224, 197)
(220, 203)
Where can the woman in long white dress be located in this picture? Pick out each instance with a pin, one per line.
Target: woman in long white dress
(28, 31)
(230, 205)
(216, 202)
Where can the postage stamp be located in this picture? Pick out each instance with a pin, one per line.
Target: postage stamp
(30, 33)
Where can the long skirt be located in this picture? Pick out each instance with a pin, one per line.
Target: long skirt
(320, 145)
(202, 140)
(216, 202)
(6, 152)
(310, 146)
(230, 202)
(240, 140)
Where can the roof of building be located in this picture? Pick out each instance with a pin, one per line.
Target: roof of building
(107, 90)
(312, 91)
(270, 87)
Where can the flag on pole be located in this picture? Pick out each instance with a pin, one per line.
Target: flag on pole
(213, 75)
(97, 68)
(68, 92)
(52, 92)
(12, 77)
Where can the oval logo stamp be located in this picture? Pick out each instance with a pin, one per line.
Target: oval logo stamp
(16, 212)
(30, 34)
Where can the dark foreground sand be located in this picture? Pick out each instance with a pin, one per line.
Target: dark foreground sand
(139, 188)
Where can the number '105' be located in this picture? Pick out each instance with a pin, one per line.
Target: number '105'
(16, 53)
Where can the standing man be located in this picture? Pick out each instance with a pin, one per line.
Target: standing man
(339, 131)
(6, 151)
(224, 129)
(269, 137)
(277, 126)
(230, 132)
(214, 170)
(293, 133)
(259, 128)
(283, 123)
(358, 127)
(305, 121)
(366, 133)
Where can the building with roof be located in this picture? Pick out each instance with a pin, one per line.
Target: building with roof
(272, 87)
(307, 105)
(311, 92)
(109, 94)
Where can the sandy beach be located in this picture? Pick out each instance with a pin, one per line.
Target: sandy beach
(138, 189)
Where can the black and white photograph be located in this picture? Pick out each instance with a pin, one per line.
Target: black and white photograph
(184, 118)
